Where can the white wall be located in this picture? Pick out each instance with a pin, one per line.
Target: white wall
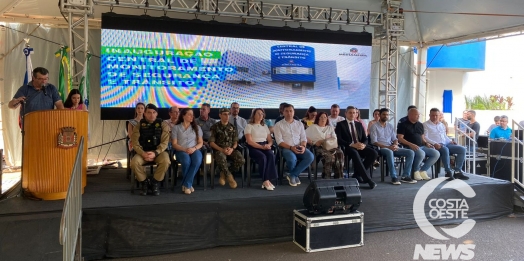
(438, 81)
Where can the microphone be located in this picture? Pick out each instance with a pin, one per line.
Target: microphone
(43, 88)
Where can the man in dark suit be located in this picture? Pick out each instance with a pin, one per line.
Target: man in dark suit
(352, 137)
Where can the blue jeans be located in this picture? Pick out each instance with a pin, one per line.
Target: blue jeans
(190, 165)
(390, 160)
(421, 154)
(452, 149)
(291, 160)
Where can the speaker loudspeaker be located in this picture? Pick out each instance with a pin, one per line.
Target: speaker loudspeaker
(332, 196)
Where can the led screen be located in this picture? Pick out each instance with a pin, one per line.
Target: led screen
(187, 70)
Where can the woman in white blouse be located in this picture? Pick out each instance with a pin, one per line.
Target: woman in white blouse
(259, 143)
(316, 135)
(186, 138)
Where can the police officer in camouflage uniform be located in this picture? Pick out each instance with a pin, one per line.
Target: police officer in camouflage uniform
(150, 138)
(224, 141)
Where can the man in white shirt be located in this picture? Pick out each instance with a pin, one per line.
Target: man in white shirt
(334, 118)
(384, 136)
(291, 137)
(435, 134)
(237, 121)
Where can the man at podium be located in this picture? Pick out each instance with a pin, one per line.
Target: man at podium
(150, 138)
(37, 94)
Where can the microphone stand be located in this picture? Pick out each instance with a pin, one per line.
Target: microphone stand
(24, 192)
(21, 192)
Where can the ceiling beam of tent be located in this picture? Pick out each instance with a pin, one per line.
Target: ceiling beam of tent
(480, 36)
(417, 25)
(254, 10)
(49, 21)
(10, 6)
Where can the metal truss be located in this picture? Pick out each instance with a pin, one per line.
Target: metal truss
(78, 12)
(393, 27)
(254, 10)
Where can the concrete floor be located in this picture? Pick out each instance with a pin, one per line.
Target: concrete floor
(495, 240)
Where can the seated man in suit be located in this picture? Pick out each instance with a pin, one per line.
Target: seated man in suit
(352, 137)
(435, 134)
(150, 138)
(411, 134)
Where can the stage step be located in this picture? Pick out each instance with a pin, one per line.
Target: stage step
(518, 198)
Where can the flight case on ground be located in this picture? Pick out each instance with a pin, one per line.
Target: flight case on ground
(315, 233)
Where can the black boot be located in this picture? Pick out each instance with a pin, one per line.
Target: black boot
(144, 185)
(154, 187)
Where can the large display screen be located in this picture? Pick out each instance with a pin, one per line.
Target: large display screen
(186, 70)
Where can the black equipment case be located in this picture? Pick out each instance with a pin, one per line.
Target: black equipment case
(315, 233)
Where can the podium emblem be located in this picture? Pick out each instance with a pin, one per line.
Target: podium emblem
(67, 138)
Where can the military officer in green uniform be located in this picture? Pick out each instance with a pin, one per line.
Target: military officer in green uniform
(224, 141)
(150, 138)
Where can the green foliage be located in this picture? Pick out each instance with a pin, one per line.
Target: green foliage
(493, 102)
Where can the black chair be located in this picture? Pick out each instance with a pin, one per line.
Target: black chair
(384, 170)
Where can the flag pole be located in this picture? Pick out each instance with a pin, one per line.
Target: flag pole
(28, 75)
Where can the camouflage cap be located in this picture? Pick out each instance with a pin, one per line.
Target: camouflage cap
(223, 110)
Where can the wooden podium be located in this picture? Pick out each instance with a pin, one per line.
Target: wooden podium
(48, 156)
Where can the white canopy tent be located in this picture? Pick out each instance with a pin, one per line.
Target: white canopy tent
(427, 22)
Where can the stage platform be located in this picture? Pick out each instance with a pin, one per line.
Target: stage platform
(117, 223)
